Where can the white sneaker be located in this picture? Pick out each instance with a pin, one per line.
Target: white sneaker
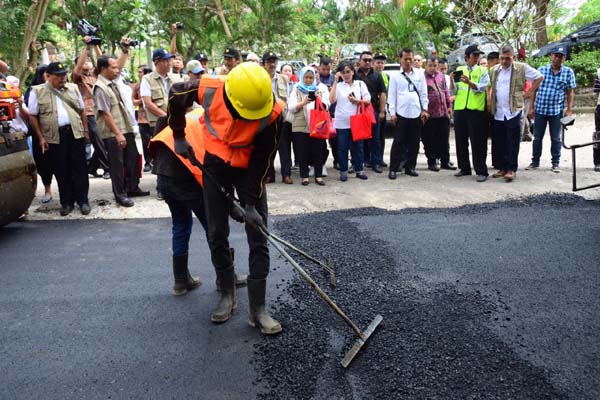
(555, 168)
(324, 171)
(311, 171)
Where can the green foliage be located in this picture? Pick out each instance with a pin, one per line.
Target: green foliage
(588, 13)
(13, 13)
(584, 64)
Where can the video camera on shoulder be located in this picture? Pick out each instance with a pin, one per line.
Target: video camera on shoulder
(84, 28)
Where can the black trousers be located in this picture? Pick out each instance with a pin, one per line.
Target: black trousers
(407, 132)
(43, 162)
(469, 125)
(100, 157)
(435, 136)
(69, 167)
(311, 153)
(287, 142)
(597, 147)
(217, 213)
(146, 134)
(508, 134)
(124, 165)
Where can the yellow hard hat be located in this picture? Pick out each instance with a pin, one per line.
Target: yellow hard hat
(248, 88)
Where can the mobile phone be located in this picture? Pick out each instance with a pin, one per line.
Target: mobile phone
(312, 96)
(352, 94)
(457, 75)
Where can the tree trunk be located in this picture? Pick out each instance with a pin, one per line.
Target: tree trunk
(541, 33)
(35, 19)
(221, 14)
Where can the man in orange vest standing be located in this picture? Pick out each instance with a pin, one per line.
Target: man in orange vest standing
(240, 129)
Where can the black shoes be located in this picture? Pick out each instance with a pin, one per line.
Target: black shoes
(392, 175)
(66, 209)
(377, 169)
(94, 173)
(462, 173)
(138, 193)
(85, 208)
(125, 201)
(410, 172)
(433, 167)
(450, 166)
(147, 168)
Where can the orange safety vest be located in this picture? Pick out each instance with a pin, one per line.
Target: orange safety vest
(193, 134)
(228, 138)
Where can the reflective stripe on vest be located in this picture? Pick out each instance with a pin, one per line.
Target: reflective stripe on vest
(465, 97)
(193, 134)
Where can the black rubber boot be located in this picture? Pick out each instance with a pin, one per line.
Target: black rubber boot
(240, 279)
(227, 301)
(183, 280)
(259, 316)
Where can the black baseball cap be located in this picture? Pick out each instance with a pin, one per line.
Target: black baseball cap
(473, 49)
(56, 68)
(270, 55)
(201, 57)
(231, 52)
(560, 50)
(379, 56)
(161, 54)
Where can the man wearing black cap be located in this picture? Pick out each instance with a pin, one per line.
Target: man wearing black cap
(203, 58)
(280, 84)
(469, 115)
(154, 87)
(60, 123)
(231, 58)
(378, 65)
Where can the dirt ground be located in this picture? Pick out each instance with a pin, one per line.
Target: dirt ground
(430, 189)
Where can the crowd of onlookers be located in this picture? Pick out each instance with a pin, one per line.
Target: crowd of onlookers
(88, 127)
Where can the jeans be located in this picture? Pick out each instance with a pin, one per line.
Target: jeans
(539, 129)
(179, 196)
(345, 143)
(375, 142)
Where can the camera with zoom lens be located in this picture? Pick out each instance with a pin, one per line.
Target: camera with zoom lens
(179, 25)
(84, 28)
(132, 43)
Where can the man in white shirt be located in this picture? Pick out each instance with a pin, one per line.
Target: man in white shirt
(407, 102)
(507, 81)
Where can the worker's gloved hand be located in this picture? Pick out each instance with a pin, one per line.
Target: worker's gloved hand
(183, 147)
(253, 217)
(237, 213)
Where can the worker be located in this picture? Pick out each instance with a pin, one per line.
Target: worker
(240, 129)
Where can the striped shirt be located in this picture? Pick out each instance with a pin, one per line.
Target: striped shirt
(550, 98)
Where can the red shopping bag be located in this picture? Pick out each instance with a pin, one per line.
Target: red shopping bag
(360, 124)
(369, 109)
(332, 130)
(320, 121)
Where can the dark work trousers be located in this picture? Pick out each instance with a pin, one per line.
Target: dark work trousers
(100, 157)
(469, 125)
(597, 137)
(496, 151)
(217, 213)
(310, 152)
(373, 149)
(124, 165)
(407, 133)
(69, 167)
(286, 142)
(435, 136)
(43, 162)
(508, 134)
(146, 134)
(183, 197)
(333, 143)
(382, 132)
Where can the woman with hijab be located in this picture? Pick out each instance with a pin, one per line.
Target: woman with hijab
(300, 102)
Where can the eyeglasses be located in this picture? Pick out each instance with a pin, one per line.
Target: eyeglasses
(367, 60)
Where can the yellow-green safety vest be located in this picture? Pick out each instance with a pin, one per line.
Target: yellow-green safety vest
(465, 97)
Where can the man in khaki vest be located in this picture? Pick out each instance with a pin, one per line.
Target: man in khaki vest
(154, 87)
(60, 123)
(117, 133)
(506, 103)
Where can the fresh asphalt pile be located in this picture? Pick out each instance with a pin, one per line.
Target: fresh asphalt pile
(432, 344)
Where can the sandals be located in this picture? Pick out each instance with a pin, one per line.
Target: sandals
(305, 182)
(46, 199)
(319, 181)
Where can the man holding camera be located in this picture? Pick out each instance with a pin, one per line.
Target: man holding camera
(84, 77)
(469, 115)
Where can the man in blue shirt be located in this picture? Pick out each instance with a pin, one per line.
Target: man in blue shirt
(549, 104)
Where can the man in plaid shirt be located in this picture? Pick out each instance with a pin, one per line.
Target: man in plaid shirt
(549, 104)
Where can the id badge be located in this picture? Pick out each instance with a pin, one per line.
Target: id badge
(411, 87)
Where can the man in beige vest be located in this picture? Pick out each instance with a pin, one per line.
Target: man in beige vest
(507, 81)
(154, 87)
(116, 131)
(60, 124)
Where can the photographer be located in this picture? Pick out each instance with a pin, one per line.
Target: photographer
(85, 78)
(178, 62)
